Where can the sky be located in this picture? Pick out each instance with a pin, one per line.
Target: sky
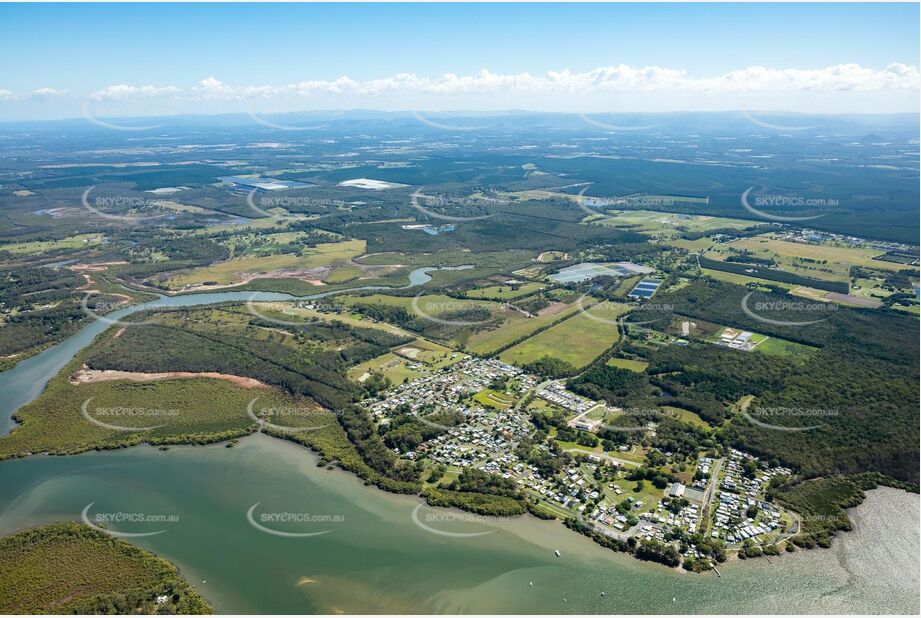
(68, 60)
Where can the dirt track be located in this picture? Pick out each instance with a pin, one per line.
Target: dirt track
(89, 376)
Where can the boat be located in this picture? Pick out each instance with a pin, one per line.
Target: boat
(557, 552)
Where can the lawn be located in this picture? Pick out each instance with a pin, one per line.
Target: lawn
(577, 340)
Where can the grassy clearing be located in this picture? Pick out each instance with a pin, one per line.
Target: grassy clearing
(693, 246)
(687, 416)
(425, 304)
(669, 224)
(825, 262)
(433, 355)
(234, 270)
(505, 292)
(514, 327)
(720, 275)
(291, 313)
(70, 568)
(628, 363)
(80, 241)
(833, 254)
(344, 274)
(493, 399)
(577, 340)
(782, 347)
(389, 365)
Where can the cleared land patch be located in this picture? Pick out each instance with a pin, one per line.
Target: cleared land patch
(628, 363)
(506, 291)
(577, 340)
(514, 327)
(313, 265)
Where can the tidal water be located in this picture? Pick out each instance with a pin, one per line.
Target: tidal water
(382, 553)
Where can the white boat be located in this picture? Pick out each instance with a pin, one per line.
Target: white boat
(557, 552)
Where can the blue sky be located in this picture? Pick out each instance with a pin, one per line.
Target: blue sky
(669, 57)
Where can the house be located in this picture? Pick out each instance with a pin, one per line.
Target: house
(676, 490)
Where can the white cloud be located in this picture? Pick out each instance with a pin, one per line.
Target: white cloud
(613, 79)
(124, 91)
(46, 93)
(622, 78)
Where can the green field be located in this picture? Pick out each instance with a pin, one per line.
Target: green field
(720, 275)
(782, 347)
(687, 416)
(577, 340)
(514, 327)
(70, 568)
(825, 262)
(422, 305)
(388, 365)
(434, 355)
(493, 399)
(79, 241)
(835, 256)
(235, 270)
(628, 363)
(505, 292)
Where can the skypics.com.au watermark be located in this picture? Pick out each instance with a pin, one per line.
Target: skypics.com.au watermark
(433, 311)
(650, 415)
(102, 520)
(455, 524)
(787, 309)
(130, 202)
(761, 417)
(759, 205)
(116, 415)
(264, 204)
(301, 418)
(418, 196)
(640, 315)
(100, 310)
(275, 522)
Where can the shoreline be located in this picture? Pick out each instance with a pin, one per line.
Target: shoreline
(732, 561)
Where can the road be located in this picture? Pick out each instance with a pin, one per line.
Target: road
(708, 495)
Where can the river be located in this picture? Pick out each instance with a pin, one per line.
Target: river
(374, 552)
(28, 378)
